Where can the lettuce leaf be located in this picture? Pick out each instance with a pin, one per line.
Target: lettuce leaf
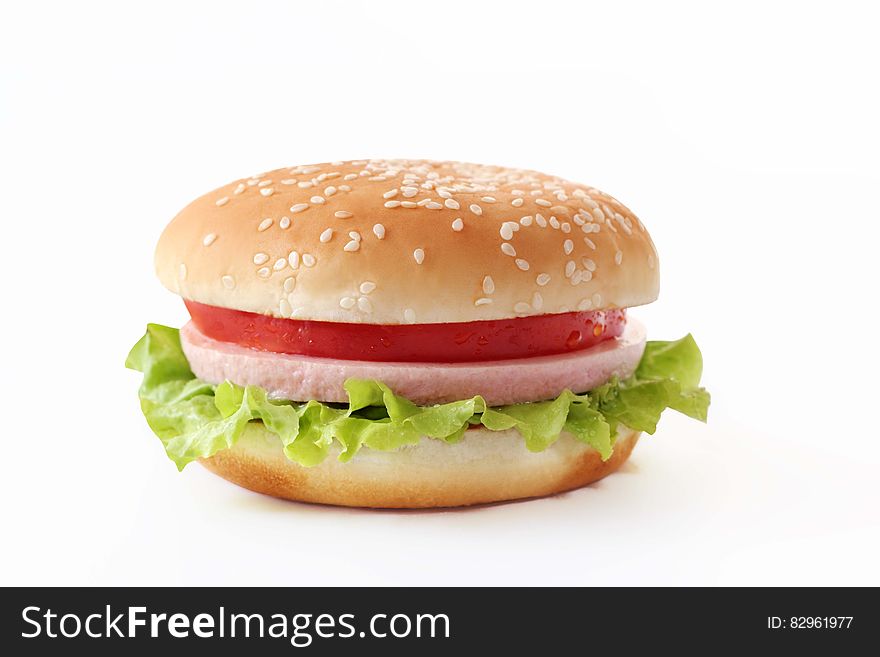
(195, 419)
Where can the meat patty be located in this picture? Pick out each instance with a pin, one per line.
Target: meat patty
(500, 382)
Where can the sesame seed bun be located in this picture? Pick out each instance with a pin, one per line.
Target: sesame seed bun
(407, 241)
(485, 466)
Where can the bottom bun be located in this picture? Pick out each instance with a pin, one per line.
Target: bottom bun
(485, 466)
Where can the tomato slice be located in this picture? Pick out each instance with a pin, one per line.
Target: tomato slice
(459, 342)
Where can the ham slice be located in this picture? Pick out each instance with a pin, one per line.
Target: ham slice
(302, 378)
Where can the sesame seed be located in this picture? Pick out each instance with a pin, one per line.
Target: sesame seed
(263, 272)
(517, 192)
(391, 193)
(409, 316)
(521, 307)
(209, 239)
(433, 205)
(221, 201)
(488, 199)
(419, 256)
(554, 223)
(457, 225)
(452, 204)
(482, 301)
(265, 224)
(542, 279)
(347, 302)
(356, 236)
(181, 272)
(618, 257)
(568, 247)
(289, 181)
(329, 191)
(284, 308)
(506, 231)
(590, 243)
(589, 264)
(569, 268)
(576, 278)
(308, 259)
(507, 249)
(344, 188)
(364, 305)
(544, 203)
(522, 264)
(299, 207)
(252, 182)
(327, 235)
(350, 176)
(444, 193)
(379, 231)
(566, 227)
(342, 214)
(238, 190)
(424, 201)
(280, 264)
(317, 200)
(351, 246)
(586, 275)
(289, 284)
(293, 259)
(539, 219)
(476, 209)
(305, 184)
(367, 286)
(408, 204)
(228, 281)
(488, 285)
(585, 304)
(392, 204)
(409, 192)
(597, 300)
(598, 214)
(267, 191)
(261, 259)
(527, 220)
(537, 301)
(517, 202)
(284, 223)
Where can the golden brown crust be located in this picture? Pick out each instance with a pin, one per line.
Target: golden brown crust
(484, 467)
(304, 242)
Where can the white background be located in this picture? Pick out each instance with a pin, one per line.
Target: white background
(746, 139)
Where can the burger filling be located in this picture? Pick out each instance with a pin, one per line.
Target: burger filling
(455, 342)
(499, 382)
(325, 388)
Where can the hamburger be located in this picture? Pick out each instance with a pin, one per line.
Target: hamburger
(409, 333)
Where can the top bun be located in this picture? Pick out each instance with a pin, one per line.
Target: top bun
(407, 241)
